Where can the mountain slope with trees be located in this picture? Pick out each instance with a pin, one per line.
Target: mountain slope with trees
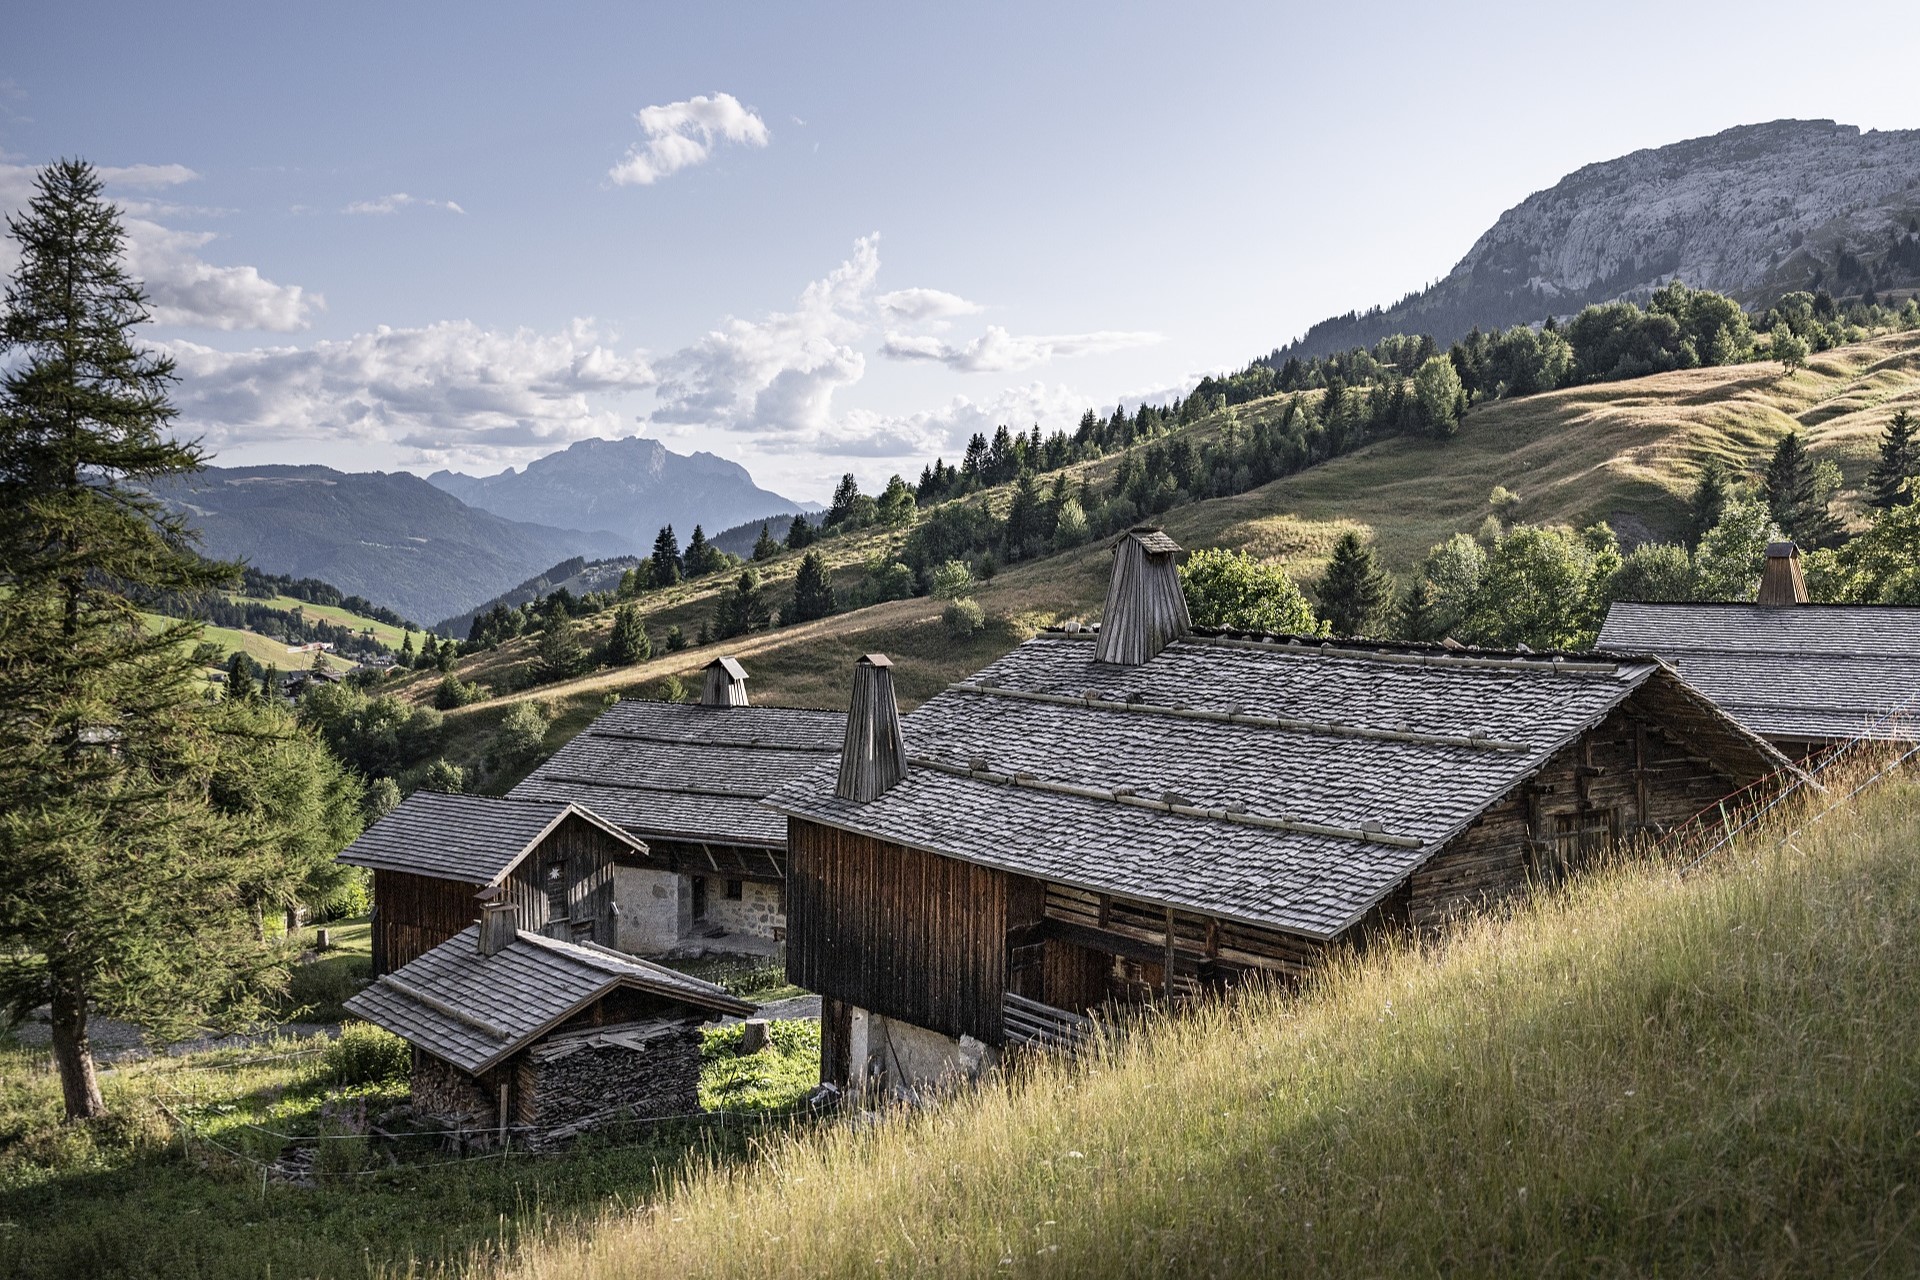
(1756, 211)
(389, 537)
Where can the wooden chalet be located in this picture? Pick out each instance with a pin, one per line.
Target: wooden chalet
(1139, 812)
(688, 779)
(436, 858)
(1804, 676)
(515, 1032)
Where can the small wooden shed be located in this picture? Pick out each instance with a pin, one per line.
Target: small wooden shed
(513, 1031)
(688, 779)
(436, 857)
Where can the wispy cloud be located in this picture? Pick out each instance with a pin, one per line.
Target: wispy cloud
(912, 306)
(146, 176)
(997, 351)
(400, 200)
(680, 135)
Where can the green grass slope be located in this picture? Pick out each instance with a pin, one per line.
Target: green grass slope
(1640, 1076)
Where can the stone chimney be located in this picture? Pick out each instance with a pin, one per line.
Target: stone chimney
(499, 926)
(1781, 586)
(1146, 610)
(874, 758)
(726, 684)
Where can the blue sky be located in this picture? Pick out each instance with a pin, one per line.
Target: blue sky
(825, 238)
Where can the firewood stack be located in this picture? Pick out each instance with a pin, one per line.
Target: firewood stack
(571, 1082)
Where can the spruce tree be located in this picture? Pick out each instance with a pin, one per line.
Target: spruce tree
(1714, 490)
(1899, 462)
(1794, 498)
(699, 559)
(1355, 592)
(560, 654)
(628, 643)
(764, 547)
(846, 500)
(663, 568)
(800, 534)
(812, 589)
(744, 609)
(125, 889)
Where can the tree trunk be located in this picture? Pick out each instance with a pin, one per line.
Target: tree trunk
(72, 1052)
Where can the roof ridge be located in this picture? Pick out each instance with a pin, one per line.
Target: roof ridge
(1582, 662)
(627, 736)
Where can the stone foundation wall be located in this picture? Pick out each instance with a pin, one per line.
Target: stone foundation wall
(899, 1058)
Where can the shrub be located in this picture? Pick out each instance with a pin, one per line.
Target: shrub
(444, 776)
(453, 692)
(963, 617)
(366, 1054)
(952, 579)
(522, 730)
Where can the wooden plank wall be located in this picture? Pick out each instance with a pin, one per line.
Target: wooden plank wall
(906, 934)
(414, 914)
(1627, 770)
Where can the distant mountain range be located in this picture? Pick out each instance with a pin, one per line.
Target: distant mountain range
(390, 537)
(1755, 212)
(629, 487)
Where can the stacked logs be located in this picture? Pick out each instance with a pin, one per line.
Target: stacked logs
(571, 1082)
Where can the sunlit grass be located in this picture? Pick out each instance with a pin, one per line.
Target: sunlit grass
(1640, 1075)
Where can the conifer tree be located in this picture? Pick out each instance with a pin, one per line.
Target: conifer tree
(1794, 498)
(699, 559)
(628, 642)
(764, 547)
(663, 568)
(1898, 463)
(1712, 493)
(812, 589)
(744, 609)
(560, 654)
(125, 887)
(1355, 592)
(800, 534)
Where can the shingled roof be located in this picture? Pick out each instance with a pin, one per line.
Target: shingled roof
(1284, 784)
(1809, 672)
(675, 771)
(472, 1010)
(472, 839)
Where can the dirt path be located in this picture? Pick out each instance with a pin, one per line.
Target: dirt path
(115, 1041)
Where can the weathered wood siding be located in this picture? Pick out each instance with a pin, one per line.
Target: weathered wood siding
(906, 934)
(414, 914)
(1624, 780)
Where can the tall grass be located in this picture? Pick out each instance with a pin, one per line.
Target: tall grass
(1639, 1075)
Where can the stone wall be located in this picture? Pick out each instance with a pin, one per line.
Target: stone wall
(759, 911)
(654, 910)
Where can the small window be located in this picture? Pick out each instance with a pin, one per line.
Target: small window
(735, 890)
(557, 891)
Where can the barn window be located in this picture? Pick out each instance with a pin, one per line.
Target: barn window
(1579, 837)
(556, 891)
(735, 890)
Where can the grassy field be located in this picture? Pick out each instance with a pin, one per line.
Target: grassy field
(1625, 452)
(323, 984)
(126, 1198)
(1640, 1076)
(386, 634)
(264, 650)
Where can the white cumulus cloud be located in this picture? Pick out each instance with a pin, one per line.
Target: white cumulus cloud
(682, 134)
(400, 200)
(997, 351)
(450, 392)
(776, 376)
(183, 288)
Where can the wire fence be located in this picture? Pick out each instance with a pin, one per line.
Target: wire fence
(1744, 810)
(437, 1147)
